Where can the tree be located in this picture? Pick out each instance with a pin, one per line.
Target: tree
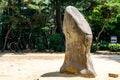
(18, 15)
(36, 20)
(102, 16)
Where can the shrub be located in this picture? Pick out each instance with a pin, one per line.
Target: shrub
(94, 47)
(114, 47)
(103, 45)
(56, 42)
(40, 47)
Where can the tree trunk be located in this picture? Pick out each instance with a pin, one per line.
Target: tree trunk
(78, 37)
(29, 37)
(98, 37)
(58, 17)
(103, 27)
(58, 20)
(6, 37)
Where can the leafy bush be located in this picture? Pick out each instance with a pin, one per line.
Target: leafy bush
(40, 47)
(114, 47)
(56, 42)
(94, 47)
(103, 45)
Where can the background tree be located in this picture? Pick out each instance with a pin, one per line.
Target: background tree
(37, 24)
(103, 16)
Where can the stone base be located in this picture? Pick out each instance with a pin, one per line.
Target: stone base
(82, 73)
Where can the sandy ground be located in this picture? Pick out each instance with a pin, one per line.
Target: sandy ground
(40, 66)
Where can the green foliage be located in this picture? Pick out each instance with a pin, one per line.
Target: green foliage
(34, 21)
(118, 18)
(104, 11)
(103, 45)
(27, 23)
(40, 47)
(104, 15)
(94, 47)
(3, 4)
(55, 42)
(114, 47)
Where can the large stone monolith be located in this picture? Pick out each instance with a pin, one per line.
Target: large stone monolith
(78, 37)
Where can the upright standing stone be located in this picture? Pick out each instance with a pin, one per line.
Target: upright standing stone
(78, 37)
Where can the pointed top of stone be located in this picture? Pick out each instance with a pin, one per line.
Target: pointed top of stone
(79, 19)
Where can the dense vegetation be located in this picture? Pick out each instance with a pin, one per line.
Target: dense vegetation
(37, 24)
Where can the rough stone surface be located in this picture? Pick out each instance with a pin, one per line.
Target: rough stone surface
(78, 37)
(113, 75)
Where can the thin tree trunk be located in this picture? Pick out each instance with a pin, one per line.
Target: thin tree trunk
(100, 33)
(103, 27)
(46, 41)
(19, 46)
(6, 37)
(30, 34)
(29, 38)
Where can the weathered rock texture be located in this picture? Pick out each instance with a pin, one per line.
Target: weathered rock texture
(78, 37)
(113, 75)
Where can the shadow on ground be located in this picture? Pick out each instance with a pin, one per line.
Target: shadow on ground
(1, 54)
(57, 74)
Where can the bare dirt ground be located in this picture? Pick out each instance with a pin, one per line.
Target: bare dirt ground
(45, 66)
